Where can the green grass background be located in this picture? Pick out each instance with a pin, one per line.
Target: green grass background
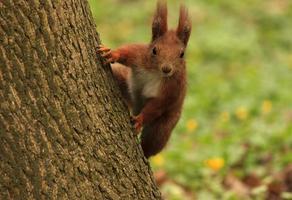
(239, 56)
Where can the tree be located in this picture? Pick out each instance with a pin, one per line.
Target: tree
(64, 131)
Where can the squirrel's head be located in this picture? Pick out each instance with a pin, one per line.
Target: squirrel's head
(168, 47)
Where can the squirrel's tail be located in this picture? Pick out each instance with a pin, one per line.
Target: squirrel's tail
(156, 135)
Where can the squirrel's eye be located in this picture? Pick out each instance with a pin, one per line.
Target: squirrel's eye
(182, 54)
(154, 51)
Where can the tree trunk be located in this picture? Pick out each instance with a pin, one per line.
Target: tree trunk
(64, 131)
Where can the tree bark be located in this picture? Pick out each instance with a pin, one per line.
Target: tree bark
(64, 131)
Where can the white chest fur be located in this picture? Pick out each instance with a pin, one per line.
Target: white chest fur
(147, 83)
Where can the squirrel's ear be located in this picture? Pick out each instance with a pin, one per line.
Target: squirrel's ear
(159, 24)
(184, 28)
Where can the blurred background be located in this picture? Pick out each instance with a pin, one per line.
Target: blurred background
(234, 139)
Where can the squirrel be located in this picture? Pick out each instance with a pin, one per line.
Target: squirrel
(152, 78)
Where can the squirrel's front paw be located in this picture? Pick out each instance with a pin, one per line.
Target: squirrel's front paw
(107, 54)
(137, 122)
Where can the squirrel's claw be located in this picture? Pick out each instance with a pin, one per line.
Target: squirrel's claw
(103, 49)
(106, 53)
(137, 121)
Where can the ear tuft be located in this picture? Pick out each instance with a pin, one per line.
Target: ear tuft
(184, 28)
(159, 24)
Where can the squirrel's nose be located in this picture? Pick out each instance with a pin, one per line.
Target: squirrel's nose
(166, 69)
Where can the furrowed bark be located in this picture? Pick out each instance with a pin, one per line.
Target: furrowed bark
(64, 131)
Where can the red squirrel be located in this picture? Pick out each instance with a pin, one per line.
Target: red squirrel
(152, 78)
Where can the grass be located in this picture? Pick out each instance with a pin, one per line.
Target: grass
(237, 117)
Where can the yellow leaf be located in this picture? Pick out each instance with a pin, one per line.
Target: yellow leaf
(215, 163)
(241, 113)
(192, 125)
(158, 160)
(266, 107)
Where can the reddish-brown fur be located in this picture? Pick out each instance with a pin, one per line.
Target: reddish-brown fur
(162, 63)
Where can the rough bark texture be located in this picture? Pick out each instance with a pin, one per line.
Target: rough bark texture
(64, 131)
